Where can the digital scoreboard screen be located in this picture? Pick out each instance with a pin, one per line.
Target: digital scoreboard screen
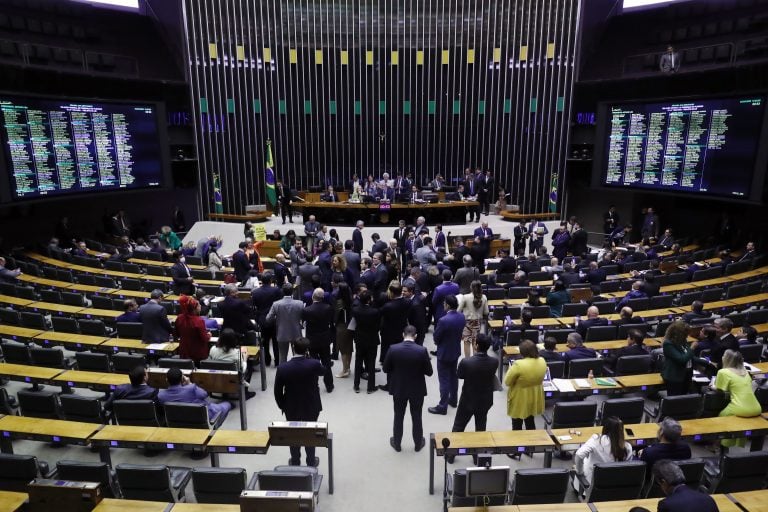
(706, 147)
(54, 147)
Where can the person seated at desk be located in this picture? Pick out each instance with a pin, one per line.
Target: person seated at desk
(680, 497)
(330, 196)
(227, 349)
(733, 378)
(556, 298)
(181, 390)
(707, 341)
(136, 390)
(669, 447)
(609, 446)
(385, 193)
(520, 279)
(595, 275)
(593, 320)
(236, 314)
(413, 196)
(549, 352)
(131, 312)
(154, 318)
(696, 312)
(747, 336)
(635, 347)
(437, 183)
(626, 317)
(635, 293)
(667, 240)
(576, 348)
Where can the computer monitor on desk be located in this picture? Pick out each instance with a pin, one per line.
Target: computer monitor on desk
(491, 481)
(276, 501)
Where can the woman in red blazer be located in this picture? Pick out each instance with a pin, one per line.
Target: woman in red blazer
(190, 331)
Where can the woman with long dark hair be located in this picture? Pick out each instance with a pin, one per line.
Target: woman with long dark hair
(679, 359)
(342, 304)
(609, 446)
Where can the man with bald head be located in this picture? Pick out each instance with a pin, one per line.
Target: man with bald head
(593, 320)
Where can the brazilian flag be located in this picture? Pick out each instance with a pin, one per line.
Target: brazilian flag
(553, 194)
(269, 176)
(219, 206)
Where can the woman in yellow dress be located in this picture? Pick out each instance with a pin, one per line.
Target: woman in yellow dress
(734, 379)
(525, 393)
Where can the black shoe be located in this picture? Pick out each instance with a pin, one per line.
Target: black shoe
(438, 410)
(314, 463)
(330, 389)
(292, 462)
(357, 390)
(378, 370)
(450, 459)
(396, 447)
(384, 388)
(249, 394)
(373, 390)
(433, 352)
(364, 376)
(420, 444)
(453, 404)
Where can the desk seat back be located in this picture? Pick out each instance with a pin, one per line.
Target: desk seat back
(16, 471)
(693, 472)
(612, 481)
(741, 472)
(140, 413)
(79, 471)
(218, 485)
(534, 486)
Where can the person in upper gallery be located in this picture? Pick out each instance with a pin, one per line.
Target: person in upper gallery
(169, 238)
(635, 347)
(635, 293)
(330, 196)
(154, 319)
(285, 314)
(136, 390)
(120, 224)
(696, 312)
(285, 200)
(7, 275)
(262, 299)
(610, 220)
(357, 237)
(181, 390)
(367, 319)
(679, 359)
(474, 306)
(549, 352)
(593, 320)
(626, 317)
(131, 313)
(437, 183)
(650, 227)
(447, 336)
(318, 319)
(557, 297)
(680, 497)
(525, 393)
(749, 252)
(406, 365)
(189, 329)
(609, 446)
(669, 61)
(669, 445)
(577, 349)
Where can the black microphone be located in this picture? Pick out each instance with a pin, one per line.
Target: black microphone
(446, 443)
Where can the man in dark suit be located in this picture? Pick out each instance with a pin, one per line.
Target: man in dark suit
(318, 319)
(727, 340)
(485, 191)
(357, 237)
(154, 320)
(593, 320)
(367, 320)
(417, 312)
(595, 276)
(413, 195)
(352, 258)
(330, 196)
(579, 240)
(298, 395)
(610, 220)
(236, 313)
(471, 192)
(650, 285)
(478, 252)
(576, 348)
(479, 374)
(521, 234)
(749, 252)
(381, 276)
(136, 390)
(367, 274)
(285, 200)
(282, 271)
(635, 347)
(485, 234)
(447, 337)
(262, 299)
(240, 263)
(386, 193)
(696, 312)
(394, 318)
(680, 497)
(379, 245)
(568, 276)
(401, 234)
(406, 366)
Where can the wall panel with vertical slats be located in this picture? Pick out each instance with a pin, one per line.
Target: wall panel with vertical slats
(399, 86)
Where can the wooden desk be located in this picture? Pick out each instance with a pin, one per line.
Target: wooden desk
(14, 301)
(96, 313)
(116, 505)
(754, 501)
(642, 382)
(27, 373)
(560, 507)
(203, 507)
(122, 436)
(68, 340)
(21, 427)
(750, 299)
(94, 380)
(12, 501)
(21, 334)
(762, 368)
(53, 308)
(723, 504)
(237, 441)
(178, 438)
(644, 434)
(130, 345)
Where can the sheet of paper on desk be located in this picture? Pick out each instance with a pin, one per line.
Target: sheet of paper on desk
(751, 368)
(156, 346)
(550, 386)
(564, 385)
(583, 383)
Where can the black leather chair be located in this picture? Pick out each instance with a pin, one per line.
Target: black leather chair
(173, 362)
(140, 413)
(213, 364)
(579, 368)
(761, 393)
(39, 404)
(571, 310)
(182, 415)
(78, 471)
(65, 324)
(613, 481)
(623, 331)
(130, 330)
(16, 471)
(10, 316)
(533, 486)
(693, 471)
(738, 472)
(101, 302)
(752, 353)
(128, 283)
(26, 292)
(73, 299)
(50, 296)
(457, 486)
(132, 268)
(680, 407)
(124, 363)
(539, 311)
(628, 410)
(561, 335)
(288, 478)
(113, 265)
(688, 298)
(50, 357)
(153, 482)
(93, 328)
(571, 415)
(7, 406)
(105, 282)
(601, 333)
(218, 485)
(82, 408)
(632, 365)
(605, 307)
(514, 336)
(16, 353)
(33, 320)
(711, 295)
(92, 361)
(556, 369)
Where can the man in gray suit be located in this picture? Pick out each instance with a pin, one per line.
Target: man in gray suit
(154, 319)
(466, 274)
(353, 258)
(298, 256)
(286, 315)
(305, 273)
